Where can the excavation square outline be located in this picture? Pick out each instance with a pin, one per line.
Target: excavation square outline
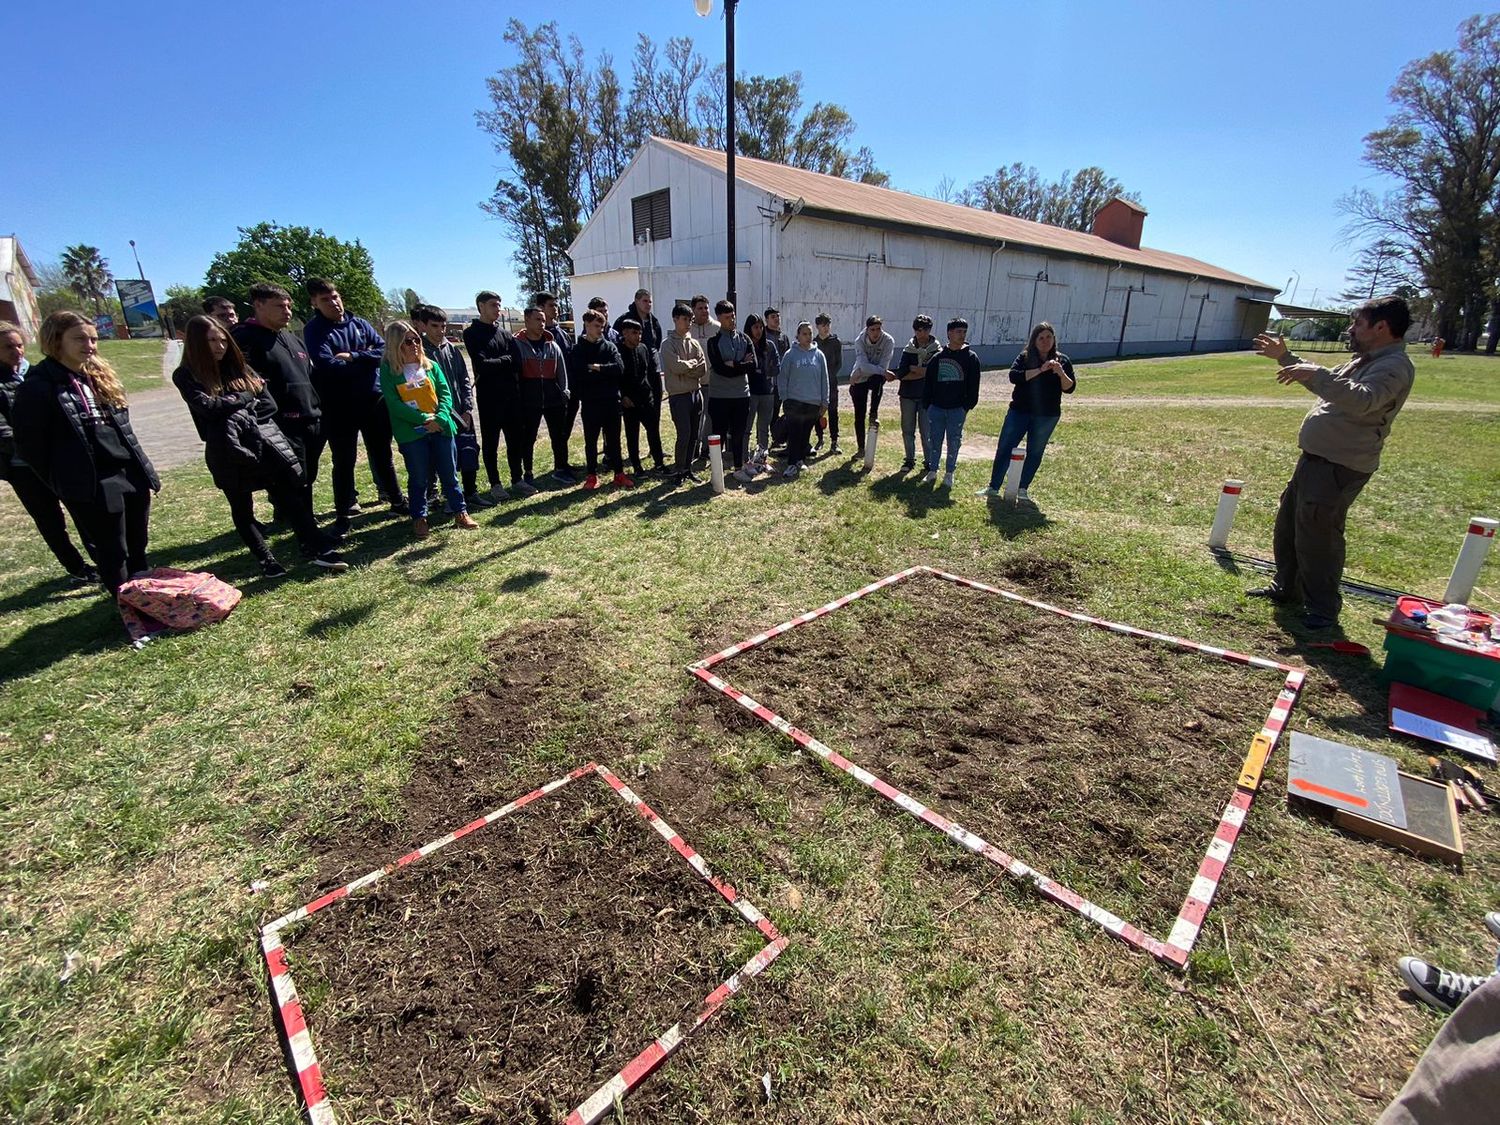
(1175, 948)
(297, 1037)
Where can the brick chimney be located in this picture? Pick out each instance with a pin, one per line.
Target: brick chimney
(1120, 221)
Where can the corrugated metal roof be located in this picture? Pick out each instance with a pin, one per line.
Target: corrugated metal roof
(866, 201)
(1296, 310)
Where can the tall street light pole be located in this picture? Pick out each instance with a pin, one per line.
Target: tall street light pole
(137, 260)
(703, 7)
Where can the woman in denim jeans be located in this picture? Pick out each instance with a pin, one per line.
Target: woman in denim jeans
(1042, 375)
(421, 406)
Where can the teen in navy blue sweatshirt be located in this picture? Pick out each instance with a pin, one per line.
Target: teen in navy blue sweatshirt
(346, 351)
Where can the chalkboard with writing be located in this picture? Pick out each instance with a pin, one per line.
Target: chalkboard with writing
(1368, 795)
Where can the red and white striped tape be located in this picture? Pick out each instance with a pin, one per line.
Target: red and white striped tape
(299, 1044)
(1184, 934)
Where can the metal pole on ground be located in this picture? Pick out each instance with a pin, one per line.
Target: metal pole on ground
(716, 462)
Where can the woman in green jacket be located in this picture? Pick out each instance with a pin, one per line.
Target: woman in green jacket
(421, 405)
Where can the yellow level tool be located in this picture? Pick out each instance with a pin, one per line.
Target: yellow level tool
(1255, 761)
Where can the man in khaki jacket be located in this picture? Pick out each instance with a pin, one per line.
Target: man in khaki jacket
(685, 373)
(1341, 438)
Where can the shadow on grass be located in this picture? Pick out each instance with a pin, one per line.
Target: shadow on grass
(345, 618)
(525, 580)
(95, 628)
(51, 590)
(621, 501)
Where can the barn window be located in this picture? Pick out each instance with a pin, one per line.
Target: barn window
(651, 216)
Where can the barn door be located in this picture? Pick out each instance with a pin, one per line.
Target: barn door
(893, 295)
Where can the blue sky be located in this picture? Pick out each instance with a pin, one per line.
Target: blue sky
(174, 123)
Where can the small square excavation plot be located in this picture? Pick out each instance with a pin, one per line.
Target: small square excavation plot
(509, 968)
(1007, 723)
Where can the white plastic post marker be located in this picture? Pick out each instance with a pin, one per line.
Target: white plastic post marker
(1229, 500)
(872, 436)
(716, 462)
(1013, 474)
(1466, 570)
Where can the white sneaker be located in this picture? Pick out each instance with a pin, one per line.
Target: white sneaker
(986, 491)
(930, 477)
(1021, 495)
(1492, 922)
(947, 480)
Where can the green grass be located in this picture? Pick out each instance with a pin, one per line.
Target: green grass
(138, 362)
(143, 791)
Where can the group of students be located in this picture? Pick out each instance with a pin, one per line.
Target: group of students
(266, 404)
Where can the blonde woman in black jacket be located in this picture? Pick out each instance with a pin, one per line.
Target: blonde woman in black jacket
(72, 427)
(246, 451)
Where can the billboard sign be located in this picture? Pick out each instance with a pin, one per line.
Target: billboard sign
(139, 303)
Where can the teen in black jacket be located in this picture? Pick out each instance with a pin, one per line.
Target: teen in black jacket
(596, 375)
(246, 451)
(40, 504)
(492, 351)
(281, 360)
(72, 426)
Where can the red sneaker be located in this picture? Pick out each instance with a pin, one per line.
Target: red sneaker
(591, 482)
(622, 481)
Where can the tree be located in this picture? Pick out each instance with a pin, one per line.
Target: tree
(288, 256)
(1381, 267)
(1070, 202)
(1441, 148)
(540, 120)
(566, 132)
(182, 304)
(54, 293)
(88, 273)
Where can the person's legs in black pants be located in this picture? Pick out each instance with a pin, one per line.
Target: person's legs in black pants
(137, 528)
(490, 408)
(738, 420)
(375, 425)
(528, 424)
(104, 532)
(859, 395)
(651, 420)
(591, 422)
(575, 403)
(341, 427)
(306, 440)
(685, 410)
(631, 419)
(42, 505)
(559, 429)
(242, 513)
(718, 423)
(609, 422)
(290, 499)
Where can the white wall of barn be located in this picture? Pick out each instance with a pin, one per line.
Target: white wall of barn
(849, 270)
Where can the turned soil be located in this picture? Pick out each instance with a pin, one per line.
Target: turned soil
(1102, 760)
(509, 975)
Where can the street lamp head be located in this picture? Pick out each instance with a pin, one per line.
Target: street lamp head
(132, 244)
(703, 7)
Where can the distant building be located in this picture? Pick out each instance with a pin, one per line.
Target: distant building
(18, 284)
(810, 243)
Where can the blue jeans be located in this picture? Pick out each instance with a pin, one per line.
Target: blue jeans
(1036, 429)
(425, 456)
(945, 421)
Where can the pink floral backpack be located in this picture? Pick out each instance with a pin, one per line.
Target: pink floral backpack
(165, 599)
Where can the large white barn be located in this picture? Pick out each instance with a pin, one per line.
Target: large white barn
(810, 243)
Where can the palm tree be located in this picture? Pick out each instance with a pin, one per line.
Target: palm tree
(88, 273)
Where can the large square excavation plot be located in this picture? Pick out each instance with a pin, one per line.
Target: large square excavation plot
(1019, 729)
(506, 970)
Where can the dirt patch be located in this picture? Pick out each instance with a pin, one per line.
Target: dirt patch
(525, 721)
(1040, 573)
(1102, 760)
(506, 978)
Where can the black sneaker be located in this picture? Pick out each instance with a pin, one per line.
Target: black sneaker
(1317, 622)
(562, 476)
(692, 478)
(908, 465)
(1271, 593)
(339, 531)
(272, 569)
(89, 577)
(476, 502)
(1438, 987)
(330, 560)
(400, 508)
